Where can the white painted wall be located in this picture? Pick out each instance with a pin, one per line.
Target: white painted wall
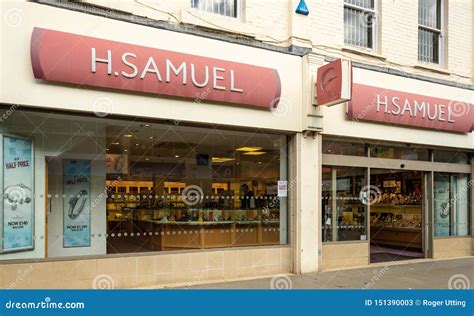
(307, 209)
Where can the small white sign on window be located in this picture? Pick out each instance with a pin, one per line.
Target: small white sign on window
(282, 188)
(363, 237)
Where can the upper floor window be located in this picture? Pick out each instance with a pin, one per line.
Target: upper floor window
(222, 7)
(429, 31)
(359, 23)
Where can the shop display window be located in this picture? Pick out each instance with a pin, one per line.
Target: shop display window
(343, 206)
(451, 204)
(343, 148)
(110, 186)
(404, 153)
(458, 157)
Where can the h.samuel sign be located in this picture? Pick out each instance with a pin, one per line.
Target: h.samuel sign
(401, 108)
(83, 60)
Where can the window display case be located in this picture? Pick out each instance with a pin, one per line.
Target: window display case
(396, 217)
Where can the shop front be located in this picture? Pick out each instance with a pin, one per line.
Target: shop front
(396, 172)
(143, 162)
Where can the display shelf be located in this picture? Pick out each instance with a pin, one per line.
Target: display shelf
(194, 234)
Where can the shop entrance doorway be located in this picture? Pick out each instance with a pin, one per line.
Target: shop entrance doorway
(396, 215)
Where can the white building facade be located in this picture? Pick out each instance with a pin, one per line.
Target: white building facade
(180, 142)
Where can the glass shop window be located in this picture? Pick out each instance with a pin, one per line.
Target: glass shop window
(118, 186)
(405, 153)
(343, 148)
(452, 204)
(451, 156)
(344, 203)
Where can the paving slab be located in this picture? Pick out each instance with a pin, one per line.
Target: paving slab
(431, 274)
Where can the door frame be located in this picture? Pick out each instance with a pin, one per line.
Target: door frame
(426, 167)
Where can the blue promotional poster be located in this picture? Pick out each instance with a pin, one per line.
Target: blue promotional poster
(18, 210)
(442, 204)
(77, 203)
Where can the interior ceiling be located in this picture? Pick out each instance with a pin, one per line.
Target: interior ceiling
(154, 140)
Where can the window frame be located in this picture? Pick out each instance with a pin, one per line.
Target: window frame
(374, 28)
(440, 32)
(237, 9)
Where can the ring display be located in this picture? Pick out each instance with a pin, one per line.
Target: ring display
(77, 205)
(74, 209)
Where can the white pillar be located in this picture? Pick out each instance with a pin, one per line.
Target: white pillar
(306, 202)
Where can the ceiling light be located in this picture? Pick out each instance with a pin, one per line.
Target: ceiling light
(176, 156)
(125, 150)
(137, 144)
(255, 153)
(221, 159)
(147, 159)
(145, 125)
(249, 149)
(128, 135)
(151, 137)
(116, 143)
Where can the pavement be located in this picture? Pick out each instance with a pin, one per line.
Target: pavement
(424, 274)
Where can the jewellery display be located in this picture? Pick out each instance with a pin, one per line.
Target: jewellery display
(74, 210)
(17, 194)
